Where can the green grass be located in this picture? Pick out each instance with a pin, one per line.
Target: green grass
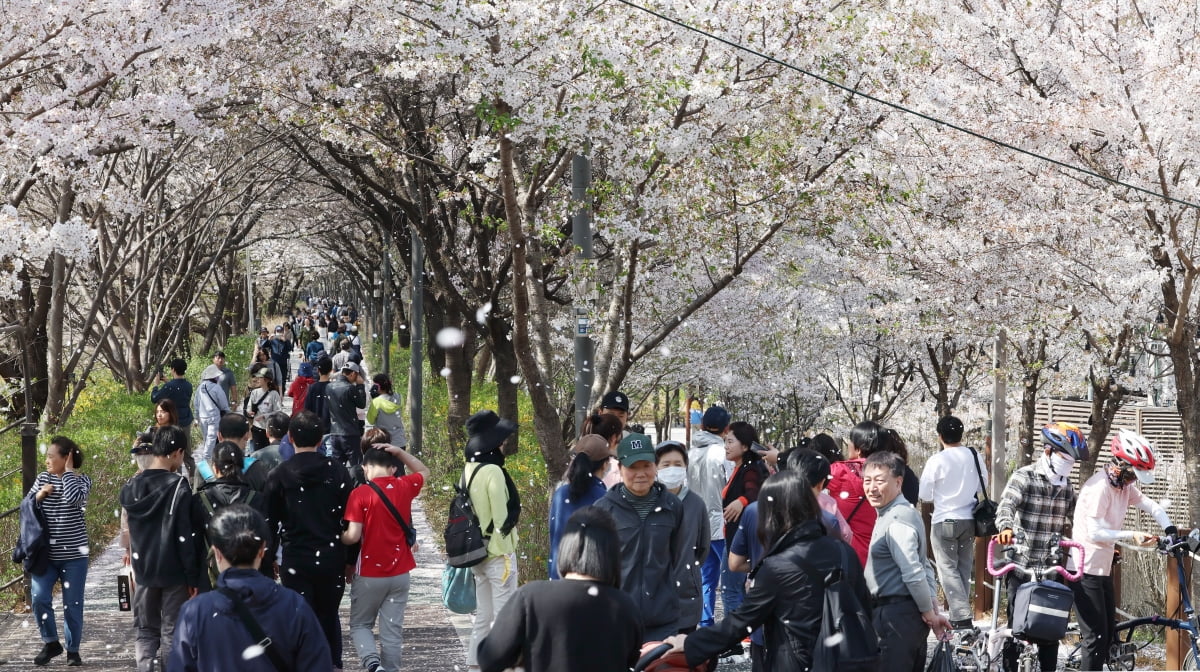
(105, 421)
(445, 462)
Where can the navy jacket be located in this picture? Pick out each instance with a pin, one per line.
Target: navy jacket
(33, 549)
(650, 548)
(209, 635)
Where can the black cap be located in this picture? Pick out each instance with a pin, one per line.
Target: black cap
(617, 400)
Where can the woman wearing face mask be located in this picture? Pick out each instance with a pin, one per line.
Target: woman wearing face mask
(582, 488)
(672, 460)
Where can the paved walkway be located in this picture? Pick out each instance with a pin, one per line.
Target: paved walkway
(431, 633)
(434, 638)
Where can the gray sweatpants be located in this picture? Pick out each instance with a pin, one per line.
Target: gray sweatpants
(386, 598)
(154, 614)
(953, 544)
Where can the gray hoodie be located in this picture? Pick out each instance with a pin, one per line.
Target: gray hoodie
(708, 471)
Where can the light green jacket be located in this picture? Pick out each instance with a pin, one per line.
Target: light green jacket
(489, 497)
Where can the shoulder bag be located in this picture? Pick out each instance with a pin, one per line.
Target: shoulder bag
(985, 509)
(410, 535)
(256, 631)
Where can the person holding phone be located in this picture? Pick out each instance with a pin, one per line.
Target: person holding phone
(741, 489)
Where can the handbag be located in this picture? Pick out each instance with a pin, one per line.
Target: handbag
(984, 512)
(458, 589)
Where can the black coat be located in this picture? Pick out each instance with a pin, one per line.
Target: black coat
(650, 548)
(782, 599)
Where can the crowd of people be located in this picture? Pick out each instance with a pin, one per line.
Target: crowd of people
(240, 542)
(694, 520)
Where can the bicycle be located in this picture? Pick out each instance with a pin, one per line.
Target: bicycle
(1123, 652)
(986, 652)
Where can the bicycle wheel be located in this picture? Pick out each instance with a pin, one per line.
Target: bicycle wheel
(1189, 661)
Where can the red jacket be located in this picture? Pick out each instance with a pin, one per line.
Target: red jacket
(846, 486)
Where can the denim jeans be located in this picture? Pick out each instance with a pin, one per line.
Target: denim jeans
(710, 577)
(72, 574)
(733, 586)
(382, 599)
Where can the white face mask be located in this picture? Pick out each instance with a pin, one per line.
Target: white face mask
(1061, 464)
(672, 477)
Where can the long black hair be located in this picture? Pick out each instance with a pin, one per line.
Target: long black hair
(785, 501)
(590, 546)
(579, 474)
(239, 532)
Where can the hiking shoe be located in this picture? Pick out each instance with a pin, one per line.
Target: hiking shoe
(73, 659)
(49, 650)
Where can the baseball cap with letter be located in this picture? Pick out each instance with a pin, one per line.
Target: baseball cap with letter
(635, 448)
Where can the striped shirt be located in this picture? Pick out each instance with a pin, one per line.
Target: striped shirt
(1042, 511)
(64, 513)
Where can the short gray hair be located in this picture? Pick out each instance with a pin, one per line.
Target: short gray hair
(886, 460)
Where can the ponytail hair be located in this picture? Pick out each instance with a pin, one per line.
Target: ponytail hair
(228, 460)
(68, 447)
(579, 475)
(239, 532)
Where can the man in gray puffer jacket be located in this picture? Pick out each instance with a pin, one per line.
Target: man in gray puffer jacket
(708, 471)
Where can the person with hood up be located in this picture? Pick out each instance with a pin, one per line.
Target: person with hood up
(708, 471)
(496, 502)
(305, 376)
(163, 552)
(650, 524)
(211, 636)
(306, 500)
(211, 403)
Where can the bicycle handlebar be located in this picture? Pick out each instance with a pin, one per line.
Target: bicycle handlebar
(1066, 543)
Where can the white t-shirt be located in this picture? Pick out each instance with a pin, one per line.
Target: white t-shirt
(950, 481)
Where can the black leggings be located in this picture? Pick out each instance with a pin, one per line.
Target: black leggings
(1096, 608)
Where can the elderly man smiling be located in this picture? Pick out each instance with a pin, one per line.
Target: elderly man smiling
(898, 573)
(649, 521)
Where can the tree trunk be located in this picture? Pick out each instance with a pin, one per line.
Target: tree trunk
(545, 416)
(507, 380)
(458, 383)
(1032, 356)
(56, 382)
(1108, 395)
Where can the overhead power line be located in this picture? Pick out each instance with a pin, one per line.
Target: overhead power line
(896, 106)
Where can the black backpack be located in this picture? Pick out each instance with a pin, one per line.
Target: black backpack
(465, 544)
(848, 641)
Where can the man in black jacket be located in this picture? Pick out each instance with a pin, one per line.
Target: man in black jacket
(346, 395)
(306, 500)
(163, 550)
(649, 522)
